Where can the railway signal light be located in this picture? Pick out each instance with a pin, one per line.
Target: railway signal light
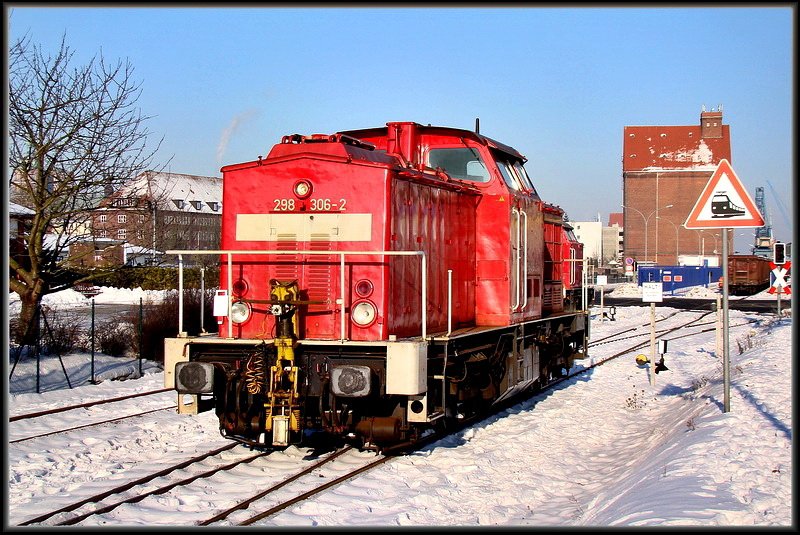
(779, 253)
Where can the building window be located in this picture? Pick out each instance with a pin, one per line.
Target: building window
(196, 204)
(139, 234)
(122, 218)
(124, 202)
(122, 234)
(141, 218)
(102, 233)
(103, 218)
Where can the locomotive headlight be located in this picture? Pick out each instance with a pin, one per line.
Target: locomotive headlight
(194, 377)
(302, 188)
(240, 312)
(363, 313)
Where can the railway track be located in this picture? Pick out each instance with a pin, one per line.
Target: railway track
(305, 479)
(616, 337)
(299, 480)
(85, 405)
(305, 482)
(49, 432)
(93, 424)
(640, 345)
(123, 488)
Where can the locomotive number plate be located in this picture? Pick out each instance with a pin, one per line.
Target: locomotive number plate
(304, 226)
(315, 205)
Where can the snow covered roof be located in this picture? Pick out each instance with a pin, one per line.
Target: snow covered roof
(18, 210)
(130, 249)
(178, 192)
(673, 148)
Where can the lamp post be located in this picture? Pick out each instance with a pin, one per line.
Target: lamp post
(646, 221)
(716, 243)
(676, 238)
(700, 244)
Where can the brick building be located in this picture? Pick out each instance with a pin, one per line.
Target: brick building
(664, 171)
(19, 220)
(155, 212)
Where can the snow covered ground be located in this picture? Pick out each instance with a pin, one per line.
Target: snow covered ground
(606, 448)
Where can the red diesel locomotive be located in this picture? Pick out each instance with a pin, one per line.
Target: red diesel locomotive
(377, 283)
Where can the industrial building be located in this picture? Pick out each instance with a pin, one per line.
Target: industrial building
(664, 171)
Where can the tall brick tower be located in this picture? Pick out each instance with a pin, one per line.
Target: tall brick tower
(664, 171)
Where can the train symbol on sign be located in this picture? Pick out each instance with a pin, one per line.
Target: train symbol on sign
(721, 206)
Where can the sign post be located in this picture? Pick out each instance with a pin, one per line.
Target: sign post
(652, 292)
(602, 280)
(780, 272)
(724, 203)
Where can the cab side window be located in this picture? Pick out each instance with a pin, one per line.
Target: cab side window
(463, 163)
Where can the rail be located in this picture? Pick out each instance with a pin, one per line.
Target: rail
(339, 300)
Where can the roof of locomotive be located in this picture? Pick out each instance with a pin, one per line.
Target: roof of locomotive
(360, 144)
(382, 131)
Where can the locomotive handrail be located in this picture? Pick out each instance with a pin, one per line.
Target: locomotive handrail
(524, 281)
(515, 212)
(341, 300)
(521, 261)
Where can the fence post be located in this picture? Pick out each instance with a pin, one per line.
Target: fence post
(91, 379)
(37, 322)
(141, 338)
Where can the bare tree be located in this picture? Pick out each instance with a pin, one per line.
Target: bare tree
(75, 136)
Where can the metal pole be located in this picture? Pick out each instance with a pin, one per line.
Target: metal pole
(424, 297)
(718, 329)
(91, 379)
(601, 302)
(450, 301)
(726, 364)
(585, 284)
(778, 293)
(230, 294)
(141, 331)
(38, 345)
(341, 292)
(652, 343)
(180, 295)
(202, 297)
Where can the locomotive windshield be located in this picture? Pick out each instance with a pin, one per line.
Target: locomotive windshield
(515, 176)
(462, 163)
(509, 176)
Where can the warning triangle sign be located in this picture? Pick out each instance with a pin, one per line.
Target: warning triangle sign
(724, 203)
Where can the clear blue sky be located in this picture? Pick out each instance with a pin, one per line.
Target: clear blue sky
(558, 84)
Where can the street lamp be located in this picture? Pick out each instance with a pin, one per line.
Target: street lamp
(646, 221)
(676, 238)
(716, 243)
(700, 245)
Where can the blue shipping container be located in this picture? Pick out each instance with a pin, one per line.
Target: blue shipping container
(674, 277)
